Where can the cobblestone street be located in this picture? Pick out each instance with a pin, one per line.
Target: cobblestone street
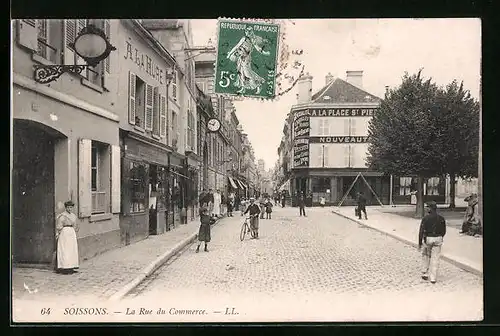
(342, 270)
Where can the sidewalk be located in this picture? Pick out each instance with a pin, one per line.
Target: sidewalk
(463, 251)
(110, 275)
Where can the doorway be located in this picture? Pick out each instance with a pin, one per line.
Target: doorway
(33, 193)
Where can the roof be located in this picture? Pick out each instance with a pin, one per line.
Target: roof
(339, 90)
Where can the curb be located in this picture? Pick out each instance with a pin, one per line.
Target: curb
(454, 261)
(156, 264)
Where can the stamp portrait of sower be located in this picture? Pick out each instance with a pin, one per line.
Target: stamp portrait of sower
(247, 59)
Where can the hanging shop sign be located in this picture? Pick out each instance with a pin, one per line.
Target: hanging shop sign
(339, 139)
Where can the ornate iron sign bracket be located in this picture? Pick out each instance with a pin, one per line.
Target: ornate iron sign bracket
(48, 73)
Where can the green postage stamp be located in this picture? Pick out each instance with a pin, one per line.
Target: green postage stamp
(247, 57)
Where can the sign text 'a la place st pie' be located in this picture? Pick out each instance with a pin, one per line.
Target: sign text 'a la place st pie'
(337, 112)
(339, 139)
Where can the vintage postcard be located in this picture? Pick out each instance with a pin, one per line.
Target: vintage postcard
(246, 170)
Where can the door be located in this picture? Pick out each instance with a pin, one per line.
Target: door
(33, 188)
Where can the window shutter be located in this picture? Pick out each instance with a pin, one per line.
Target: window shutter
(131, 98)
(354, 159)
(346, 155)
(148, 115)
(325, 154)
(156, 111)
(115, 179)
(326, 127)
(107, 31)
(346, 126)
(84, 178)
(353, 127)
(27, 33)
(163, 116)
(81, 23)
(69, 37)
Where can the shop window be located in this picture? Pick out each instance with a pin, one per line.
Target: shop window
(320, 184)
(432, 186)
(405, 184)
(138, 179)
(100, 168)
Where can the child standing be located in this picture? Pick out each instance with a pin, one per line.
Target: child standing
(204, 232)
(269, 209)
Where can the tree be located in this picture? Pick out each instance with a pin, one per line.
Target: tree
(403, 133)
(457, 115)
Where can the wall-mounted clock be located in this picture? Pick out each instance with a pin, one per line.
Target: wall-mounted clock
(213, 125)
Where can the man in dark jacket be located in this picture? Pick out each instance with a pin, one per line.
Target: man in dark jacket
(361, 205)
(201, 198)
(302, 204)
(430, 236)
(254, 210)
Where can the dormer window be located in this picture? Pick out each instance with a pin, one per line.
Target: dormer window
(327, 98)
(368, 97)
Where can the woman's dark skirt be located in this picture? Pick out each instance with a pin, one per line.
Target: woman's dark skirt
(204, 233)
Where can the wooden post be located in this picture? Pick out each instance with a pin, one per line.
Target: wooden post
(419, 211)
(390, 190)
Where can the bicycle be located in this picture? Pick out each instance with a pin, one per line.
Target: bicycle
(245, 228)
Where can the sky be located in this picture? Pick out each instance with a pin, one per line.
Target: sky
(383, 49)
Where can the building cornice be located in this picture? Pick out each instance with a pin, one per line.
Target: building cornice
(31, 85)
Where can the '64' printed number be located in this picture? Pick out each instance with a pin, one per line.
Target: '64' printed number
(226, 78)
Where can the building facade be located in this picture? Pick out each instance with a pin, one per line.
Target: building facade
(176, 36)
(222, 147)
(151, 164)
(328, 133)
(65, 143)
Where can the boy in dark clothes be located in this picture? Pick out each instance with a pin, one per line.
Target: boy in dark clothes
(269, 209)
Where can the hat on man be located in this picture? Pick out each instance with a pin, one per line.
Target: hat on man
(431, 205)
(69, 203)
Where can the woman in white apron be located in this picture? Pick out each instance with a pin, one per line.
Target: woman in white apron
(67, 246)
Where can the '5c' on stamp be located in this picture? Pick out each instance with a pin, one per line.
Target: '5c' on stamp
(247, 54)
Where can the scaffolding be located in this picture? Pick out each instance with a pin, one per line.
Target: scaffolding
(352, 185)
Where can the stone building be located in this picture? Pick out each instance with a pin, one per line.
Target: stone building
(65, 142)
(176, 36)
(326, 140)
(217, 146)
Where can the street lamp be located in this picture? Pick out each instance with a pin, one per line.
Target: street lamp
(91, 44)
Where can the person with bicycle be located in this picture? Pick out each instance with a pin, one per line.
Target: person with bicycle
(254, 210)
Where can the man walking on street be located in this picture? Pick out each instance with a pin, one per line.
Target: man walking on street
(430, 236)
(361, 205)
(302, 204)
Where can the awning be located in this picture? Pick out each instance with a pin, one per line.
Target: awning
(241, 184)
(232, 182)
(244, 185)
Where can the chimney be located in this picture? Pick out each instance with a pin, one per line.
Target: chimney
(328, 78)
(304, 85)
(355, 78)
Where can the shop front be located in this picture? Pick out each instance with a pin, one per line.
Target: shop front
(339, 186)
(145, 188)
